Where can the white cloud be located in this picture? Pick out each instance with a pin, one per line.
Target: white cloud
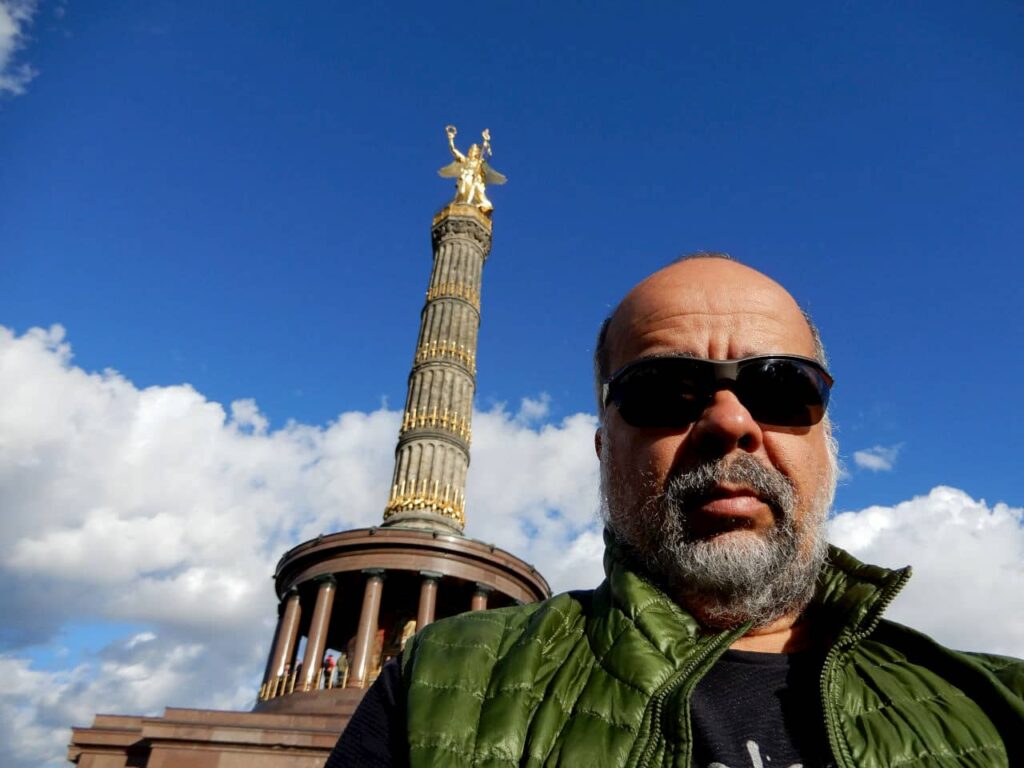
(148, 507)
(532, 411)
(15, 17)
(157, 516)
(879, 458)
(968, 560)
(533, 491)
(138, 676)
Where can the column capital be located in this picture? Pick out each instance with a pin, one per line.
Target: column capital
(292, 592)
(326, 578)
(485, 588)
(435, 575)
(374, 572)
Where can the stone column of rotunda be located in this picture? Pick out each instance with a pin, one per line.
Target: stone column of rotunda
(367, 632)
(432, 456)
(316, 639)
(289, 613)
(428, 598)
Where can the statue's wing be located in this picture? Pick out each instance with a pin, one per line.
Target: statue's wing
(491, 176)
(451, 171)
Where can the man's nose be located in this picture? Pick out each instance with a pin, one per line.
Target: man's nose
(725, 426)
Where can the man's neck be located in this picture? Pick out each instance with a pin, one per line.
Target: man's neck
(788, 634)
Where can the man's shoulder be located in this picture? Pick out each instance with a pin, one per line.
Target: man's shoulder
(1006, 672)
(1006, 669)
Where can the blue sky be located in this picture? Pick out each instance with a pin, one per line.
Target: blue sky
(237, 197)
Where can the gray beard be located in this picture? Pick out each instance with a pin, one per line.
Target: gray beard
(730, 578)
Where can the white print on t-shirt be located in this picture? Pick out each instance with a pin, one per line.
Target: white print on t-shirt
(755, 758)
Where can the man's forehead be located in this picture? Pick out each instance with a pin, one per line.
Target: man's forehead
(708, 307)
(707, 300)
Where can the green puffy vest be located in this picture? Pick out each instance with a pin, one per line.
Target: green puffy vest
(603, 678)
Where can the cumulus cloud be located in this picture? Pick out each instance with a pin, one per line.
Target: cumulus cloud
(152, 518)
(15, 17)
(879, 458)
(155, 507)
(968, 560)
(533, 491)
(532, 410)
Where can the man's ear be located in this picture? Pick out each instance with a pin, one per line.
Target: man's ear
(597, 441)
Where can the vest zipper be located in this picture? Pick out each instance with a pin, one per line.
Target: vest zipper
(828, 668)
(717, 645)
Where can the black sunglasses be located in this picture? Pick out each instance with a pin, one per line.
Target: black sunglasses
(672, 392)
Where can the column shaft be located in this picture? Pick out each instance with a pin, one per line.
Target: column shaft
(366, 635)
(268, 672)
(428, 600)
(316, 640)
(479, 602)
(284, 645)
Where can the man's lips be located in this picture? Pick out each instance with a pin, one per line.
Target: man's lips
(726, 509)
(742, 503)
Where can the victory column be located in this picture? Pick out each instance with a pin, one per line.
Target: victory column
(428, 489)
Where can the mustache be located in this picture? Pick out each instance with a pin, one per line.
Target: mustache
(686, 488)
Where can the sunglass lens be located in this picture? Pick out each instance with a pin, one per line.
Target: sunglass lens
(663, 394)
(783, 393)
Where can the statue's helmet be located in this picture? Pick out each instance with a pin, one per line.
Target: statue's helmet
(474, 151)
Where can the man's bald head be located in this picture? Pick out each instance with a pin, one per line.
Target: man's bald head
(689, 271)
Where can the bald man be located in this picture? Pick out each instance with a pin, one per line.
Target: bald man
(727, 632)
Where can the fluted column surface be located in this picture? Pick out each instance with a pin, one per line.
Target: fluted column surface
(432, 456)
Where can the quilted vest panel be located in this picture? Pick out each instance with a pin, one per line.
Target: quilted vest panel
(603, 678)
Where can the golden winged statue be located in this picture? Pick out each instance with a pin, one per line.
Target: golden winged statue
(472, 171)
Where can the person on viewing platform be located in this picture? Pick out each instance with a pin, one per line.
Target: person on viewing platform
(727, 633)
(329, 670)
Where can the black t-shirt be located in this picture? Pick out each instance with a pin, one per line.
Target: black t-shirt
(760, 710)
(751, 710)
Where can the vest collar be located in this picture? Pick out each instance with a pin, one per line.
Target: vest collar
(849, 601)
